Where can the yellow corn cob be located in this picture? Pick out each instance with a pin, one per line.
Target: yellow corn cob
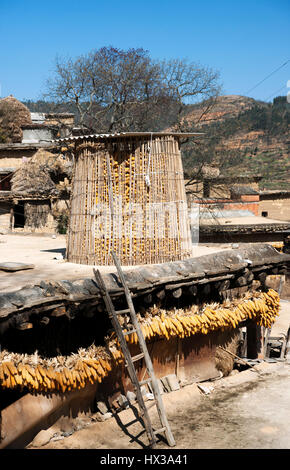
(18, 379)
(11, 368)
(1, 373)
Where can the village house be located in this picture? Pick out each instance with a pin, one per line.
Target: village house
(234, 210)
(33, 172)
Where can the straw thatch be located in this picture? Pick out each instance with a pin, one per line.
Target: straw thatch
(225, 356)
(56, 163)
(40, 175)
(33, 179)
(13, 115)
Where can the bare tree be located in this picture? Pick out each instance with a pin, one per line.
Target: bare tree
(188, 83)
(107, 86)
(117, 90)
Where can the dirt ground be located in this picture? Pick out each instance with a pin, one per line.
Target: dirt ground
(246, 410)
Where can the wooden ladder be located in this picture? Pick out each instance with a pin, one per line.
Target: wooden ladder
(113, 315)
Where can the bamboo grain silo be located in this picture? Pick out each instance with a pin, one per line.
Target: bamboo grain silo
(128, 195)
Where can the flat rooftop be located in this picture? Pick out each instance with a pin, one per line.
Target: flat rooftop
(245, 220)
(47, 254)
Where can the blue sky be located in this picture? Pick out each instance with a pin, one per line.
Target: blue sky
(245, 41)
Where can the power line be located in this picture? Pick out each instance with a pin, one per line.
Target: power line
(255, 86)
(268, 76)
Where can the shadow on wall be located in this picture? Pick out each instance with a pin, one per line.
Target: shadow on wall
(192, 359)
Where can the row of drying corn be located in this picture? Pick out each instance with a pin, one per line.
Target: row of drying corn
(133, 245)
(125, 172)
(93, 364)
(18, 371)
(103, 246)
(263, 308)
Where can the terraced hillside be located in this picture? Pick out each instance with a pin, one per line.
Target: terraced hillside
(242, 136)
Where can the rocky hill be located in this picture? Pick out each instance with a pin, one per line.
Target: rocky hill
(224, 107)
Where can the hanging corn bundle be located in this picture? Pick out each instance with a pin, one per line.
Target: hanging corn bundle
(260, 307)
(61, 374)
(128, 195)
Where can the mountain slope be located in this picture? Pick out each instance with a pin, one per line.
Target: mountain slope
(243, 135)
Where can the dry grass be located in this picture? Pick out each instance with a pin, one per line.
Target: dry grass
(13, 115)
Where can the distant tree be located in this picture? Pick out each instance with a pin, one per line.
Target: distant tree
(280, 100)
(106, 86)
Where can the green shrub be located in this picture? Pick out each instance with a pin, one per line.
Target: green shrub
(62, 223)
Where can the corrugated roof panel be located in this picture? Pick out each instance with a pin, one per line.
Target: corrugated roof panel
(128, 134)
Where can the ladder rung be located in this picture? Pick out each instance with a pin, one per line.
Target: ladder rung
(129, 332)
(136, 358)
(120, 312)
(143, 382)
(159, 430)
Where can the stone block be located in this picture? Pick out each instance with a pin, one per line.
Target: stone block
(131, 396)
(170, 383)
(160, 386)
(102, 407)
(123, 401)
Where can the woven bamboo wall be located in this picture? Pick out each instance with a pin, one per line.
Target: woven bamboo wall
(128, 195)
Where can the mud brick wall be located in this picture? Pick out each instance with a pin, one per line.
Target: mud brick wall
(278, 209)
(246, 205)
(5, 216)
